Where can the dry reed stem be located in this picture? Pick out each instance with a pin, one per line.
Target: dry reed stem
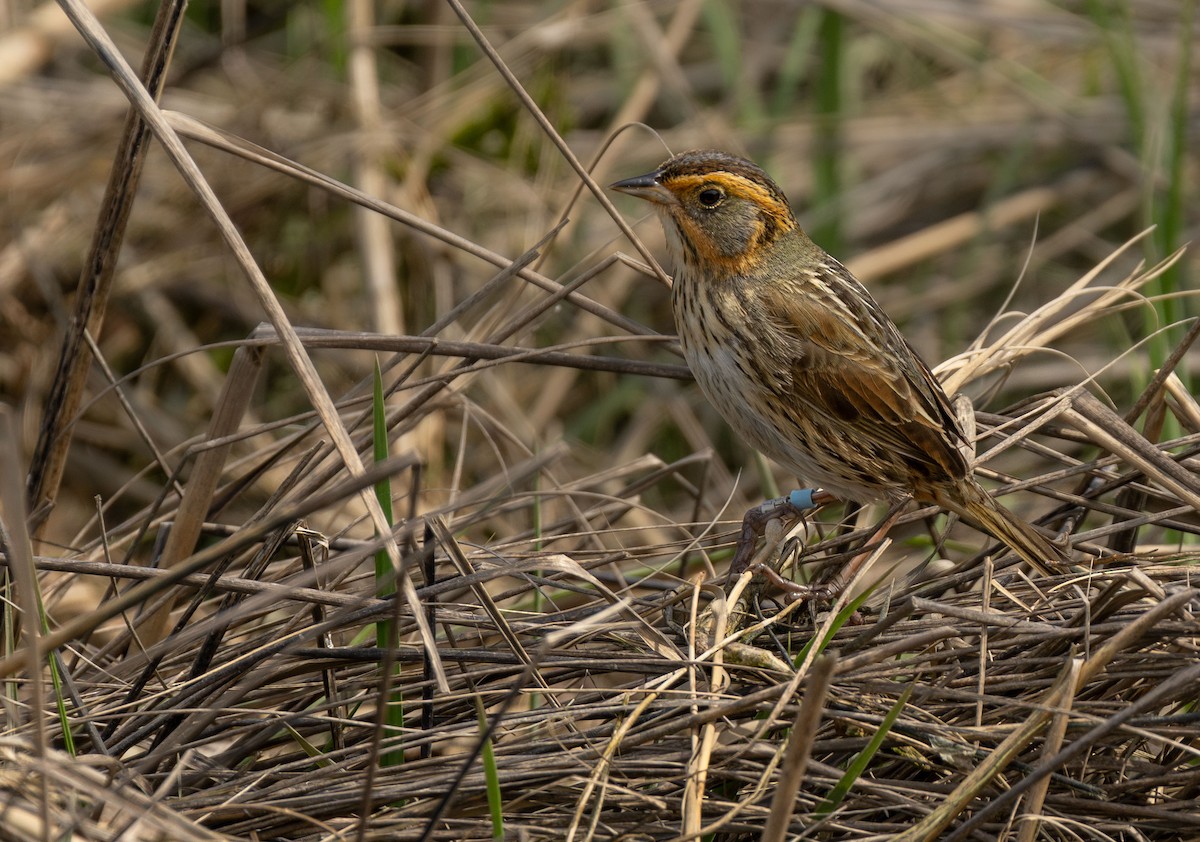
(375, 235)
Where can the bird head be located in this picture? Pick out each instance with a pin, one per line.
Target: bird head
(720, 213)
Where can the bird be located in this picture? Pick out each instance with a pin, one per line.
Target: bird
(798, 357)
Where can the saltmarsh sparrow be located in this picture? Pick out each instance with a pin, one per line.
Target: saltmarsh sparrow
(799, 358)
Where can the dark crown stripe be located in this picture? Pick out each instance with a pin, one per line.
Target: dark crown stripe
(706, 162)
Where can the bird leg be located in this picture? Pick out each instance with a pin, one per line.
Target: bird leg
(783, 508)
(846, 575)
(794, 591)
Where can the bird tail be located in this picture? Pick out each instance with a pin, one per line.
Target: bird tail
(979, 506)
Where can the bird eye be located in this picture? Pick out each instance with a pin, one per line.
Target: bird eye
(710, 197)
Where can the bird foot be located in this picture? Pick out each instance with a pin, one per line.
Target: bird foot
(793, 591)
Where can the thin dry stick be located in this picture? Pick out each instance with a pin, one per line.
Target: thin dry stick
(662, 50)
(218, 139)
(984, 650)
(446, 539)
(222, 584)
(115, 384)
(555, 355)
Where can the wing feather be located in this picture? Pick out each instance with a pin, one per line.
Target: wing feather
(884, 390)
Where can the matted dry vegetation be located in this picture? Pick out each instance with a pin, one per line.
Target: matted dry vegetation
(564, 502)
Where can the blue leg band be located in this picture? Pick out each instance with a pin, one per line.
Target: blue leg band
(802, 498)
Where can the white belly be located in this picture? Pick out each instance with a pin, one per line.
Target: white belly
(735, 396)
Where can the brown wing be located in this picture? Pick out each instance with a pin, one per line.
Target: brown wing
(878, 385)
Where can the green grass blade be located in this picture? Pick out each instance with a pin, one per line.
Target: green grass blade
(827, 172)
(840, 620)
(490, 774)
(1171, 218)
(794, 69)
(1112, 19)
(60, 699)
(863, 759)
(308, 748)
(385, 576)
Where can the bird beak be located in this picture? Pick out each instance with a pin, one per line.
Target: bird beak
(646, 187)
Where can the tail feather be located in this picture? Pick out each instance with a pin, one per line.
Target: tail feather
(979, 506)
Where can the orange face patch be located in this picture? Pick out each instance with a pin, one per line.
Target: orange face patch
(772, 217)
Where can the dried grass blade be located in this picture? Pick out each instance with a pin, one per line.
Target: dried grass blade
(1042, 327)
(1058, 729)
(18, 557)
(374, 234)
(1187, 409)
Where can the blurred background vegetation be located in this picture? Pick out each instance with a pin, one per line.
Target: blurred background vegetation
(944, 150)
